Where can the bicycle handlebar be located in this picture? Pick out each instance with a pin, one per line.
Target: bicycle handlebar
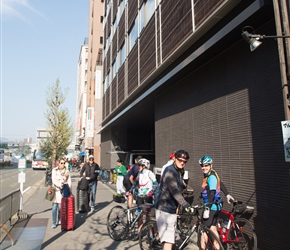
(240, 207)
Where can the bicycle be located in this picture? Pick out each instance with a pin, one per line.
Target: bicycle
(236, 232)
(149, 238)
(122, 221)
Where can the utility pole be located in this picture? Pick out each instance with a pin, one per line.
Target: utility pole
(282, 27)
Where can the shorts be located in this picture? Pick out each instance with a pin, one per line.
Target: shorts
(142, 200)
(166, 224)
(127, 184)
(212, 219)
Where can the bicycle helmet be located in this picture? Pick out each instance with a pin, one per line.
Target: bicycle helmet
(205, 160)
(144, 162)
(181, 154)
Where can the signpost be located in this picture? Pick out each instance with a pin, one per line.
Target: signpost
(21, 178)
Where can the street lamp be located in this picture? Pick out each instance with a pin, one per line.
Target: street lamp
(248, 33)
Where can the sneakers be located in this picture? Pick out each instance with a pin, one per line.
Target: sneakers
(59, 222)
(53, 225)
(93, 209)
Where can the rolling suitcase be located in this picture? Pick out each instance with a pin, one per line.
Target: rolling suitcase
(67, 213)
(83, 201)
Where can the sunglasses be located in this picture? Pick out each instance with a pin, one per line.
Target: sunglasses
(181, 160)
(61, 162)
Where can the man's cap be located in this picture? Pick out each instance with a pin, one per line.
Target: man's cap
(91, 157)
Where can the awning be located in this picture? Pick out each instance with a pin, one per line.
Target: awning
(82, 153)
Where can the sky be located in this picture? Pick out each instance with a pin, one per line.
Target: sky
(40, 42)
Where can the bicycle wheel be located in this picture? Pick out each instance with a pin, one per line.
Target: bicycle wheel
(207, 239)
(148, 236)
(247, 236)
(117, 223)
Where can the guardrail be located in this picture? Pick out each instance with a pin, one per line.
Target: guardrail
(9, 206)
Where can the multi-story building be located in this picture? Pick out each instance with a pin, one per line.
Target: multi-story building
(82, 96)
(89, 105)
(178, 74)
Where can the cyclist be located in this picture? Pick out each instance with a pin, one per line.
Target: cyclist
(211, 187)
(170, 196)
(170, 161)
(129, 179)
(146, 184)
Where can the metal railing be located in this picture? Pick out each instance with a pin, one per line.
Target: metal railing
(9, 206)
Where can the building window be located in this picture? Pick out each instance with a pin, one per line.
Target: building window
(146, 12)
(101, 40)
(122, 54)
(102, 19)
(133, 34)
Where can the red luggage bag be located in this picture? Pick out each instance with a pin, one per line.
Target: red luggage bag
(67, 213)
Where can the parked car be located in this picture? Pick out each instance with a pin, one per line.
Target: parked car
(148, 154)
(1, 158)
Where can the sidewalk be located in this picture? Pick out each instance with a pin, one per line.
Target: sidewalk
(90, 229)
(90, 232)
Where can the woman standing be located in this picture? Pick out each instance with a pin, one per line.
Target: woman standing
(60, 176)
(211, 187)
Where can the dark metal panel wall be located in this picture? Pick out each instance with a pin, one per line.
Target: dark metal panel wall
(105, 35)
(114, 94)
(158, 49)
(176, 24)
(204, 8)
(107, 100)
(133, 69)
(147, 50)
(109, 22)
(132, 12)
(121, 84)
(231, 109)
(115, 8)
(121, 28)
(114, 45)
(108, 61)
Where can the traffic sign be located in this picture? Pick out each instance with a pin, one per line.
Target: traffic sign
(22, 163)
(21, 177)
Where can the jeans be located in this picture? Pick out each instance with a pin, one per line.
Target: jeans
(93, 190)
(55, 211)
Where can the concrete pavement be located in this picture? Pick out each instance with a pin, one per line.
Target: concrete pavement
(90, 232)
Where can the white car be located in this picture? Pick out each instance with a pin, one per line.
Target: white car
(1, 158)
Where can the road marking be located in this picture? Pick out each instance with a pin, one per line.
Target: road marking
(26, 189)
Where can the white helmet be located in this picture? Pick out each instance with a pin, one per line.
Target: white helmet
(144, 162)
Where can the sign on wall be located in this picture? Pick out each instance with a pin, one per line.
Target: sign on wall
(286, 139)
(90, 122)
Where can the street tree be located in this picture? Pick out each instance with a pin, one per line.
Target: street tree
(59, 124)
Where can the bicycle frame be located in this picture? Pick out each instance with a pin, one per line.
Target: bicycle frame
(132, 221)
(234, 230)
(224, 232)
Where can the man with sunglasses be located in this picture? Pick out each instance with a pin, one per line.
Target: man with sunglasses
(170, 195)
(91, 171)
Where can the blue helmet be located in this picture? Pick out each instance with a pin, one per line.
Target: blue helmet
(205, 160)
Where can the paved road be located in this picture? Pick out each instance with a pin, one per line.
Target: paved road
(9, 178)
